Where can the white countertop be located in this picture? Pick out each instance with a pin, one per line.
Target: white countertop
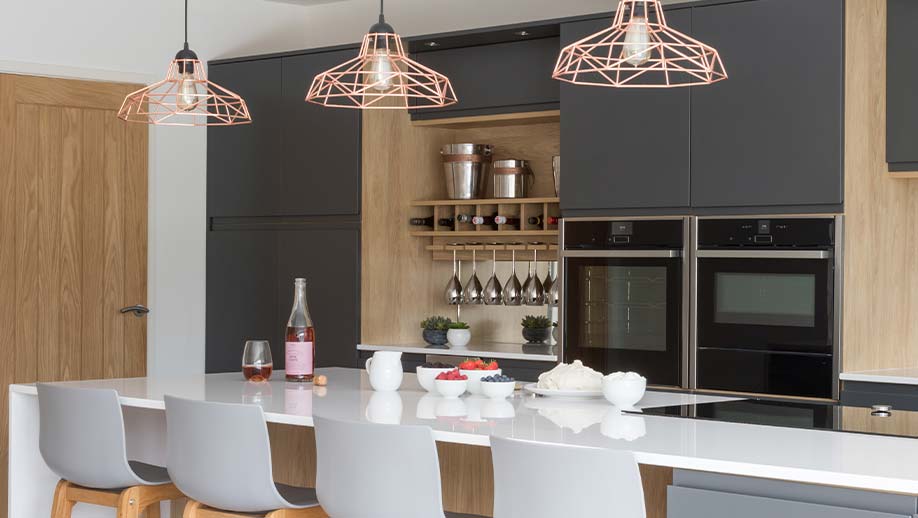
(904, 376)
(489, 350)
(814, 456)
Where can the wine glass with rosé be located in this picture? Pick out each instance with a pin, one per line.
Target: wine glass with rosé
(257, 362)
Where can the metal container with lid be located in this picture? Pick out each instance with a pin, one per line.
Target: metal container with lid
(465, 167)
(512, 178)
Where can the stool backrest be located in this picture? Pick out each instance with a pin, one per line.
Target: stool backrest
(592, 482)
(220, 454)
(379, 470)
(81, 436)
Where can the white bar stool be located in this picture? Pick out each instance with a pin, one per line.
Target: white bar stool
(378, 470)
(81, 438)
(220, 457)
(594, 482)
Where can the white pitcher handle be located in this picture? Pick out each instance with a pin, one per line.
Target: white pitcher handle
(367, 364)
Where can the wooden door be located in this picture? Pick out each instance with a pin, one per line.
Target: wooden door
(73, 236)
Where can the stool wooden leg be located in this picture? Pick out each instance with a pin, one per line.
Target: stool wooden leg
(191, 509)
(311, 512)
(129, 503)
(152, 510)
(62, 506)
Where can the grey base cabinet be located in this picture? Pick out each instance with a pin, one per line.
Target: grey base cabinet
(867, 394)
(250, 277)
(707, 495)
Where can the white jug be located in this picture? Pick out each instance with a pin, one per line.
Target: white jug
(385, 370)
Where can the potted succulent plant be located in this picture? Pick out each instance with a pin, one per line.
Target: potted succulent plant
(459, 334)
(536, 329)
(435, 329)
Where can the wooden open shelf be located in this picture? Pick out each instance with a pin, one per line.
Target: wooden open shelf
(492, 201)
(484, 121)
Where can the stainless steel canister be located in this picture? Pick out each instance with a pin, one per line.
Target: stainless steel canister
(465, 167)
(512, 178)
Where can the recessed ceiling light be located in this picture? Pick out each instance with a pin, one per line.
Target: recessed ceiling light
(522, 33)
(432, 44)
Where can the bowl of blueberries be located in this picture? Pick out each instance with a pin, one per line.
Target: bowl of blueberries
(498, 386)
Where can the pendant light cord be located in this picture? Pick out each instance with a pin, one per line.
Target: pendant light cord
(186, 23)
(382, 16)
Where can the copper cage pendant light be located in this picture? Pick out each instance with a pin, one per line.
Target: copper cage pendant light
(382, 76)
(185, 97)
(639, 51)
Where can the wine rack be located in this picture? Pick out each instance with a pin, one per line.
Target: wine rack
(486, 239)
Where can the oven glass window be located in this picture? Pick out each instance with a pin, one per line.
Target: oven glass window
(623, 307)
(767, 299)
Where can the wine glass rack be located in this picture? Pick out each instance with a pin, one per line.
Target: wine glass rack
(524, 234)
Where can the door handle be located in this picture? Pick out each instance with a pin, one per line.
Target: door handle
(138, 310)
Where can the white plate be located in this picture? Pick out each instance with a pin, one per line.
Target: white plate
(577, 394)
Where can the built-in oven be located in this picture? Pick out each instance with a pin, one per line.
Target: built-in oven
(767, 305)
(625, 296)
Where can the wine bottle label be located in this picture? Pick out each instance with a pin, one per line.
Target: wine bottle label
(299, 358)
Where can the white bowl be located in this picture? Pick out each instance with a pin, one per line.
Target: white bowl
(475, 378)
(426, 377)
(498, 389)
(623, 393)
(451, 389)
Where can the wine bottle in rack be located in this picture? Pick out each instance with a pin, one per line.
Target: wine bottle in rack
(537, 220)
(485, 220)
(465, 218)
(429, 222)
(505, 220)
(301, 337)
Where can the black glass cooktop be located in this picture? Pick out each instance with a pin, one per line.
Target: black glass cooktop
(811, 415)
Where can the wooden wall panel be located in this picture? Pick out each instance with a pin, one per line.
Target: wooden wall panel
(401, 284)
(881, 212)
(73, 231)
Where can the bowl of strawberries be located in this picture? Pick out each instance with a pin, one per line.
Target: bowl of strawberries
(475, 369)
(451, 384)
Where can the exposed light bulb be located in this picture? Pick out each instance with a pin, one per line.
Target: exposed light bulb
(636, 50)
(188, 98)
(380, 71)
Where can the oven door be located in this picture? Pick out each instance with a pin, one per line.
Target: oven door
(623, 312)
(765, 321)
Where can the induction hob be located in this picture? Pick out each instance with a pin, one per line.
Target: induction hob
(879, 420)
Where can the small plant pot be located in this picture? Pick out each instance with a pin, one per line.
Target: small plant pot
(436, 337)
(534, 335)
(459, 337)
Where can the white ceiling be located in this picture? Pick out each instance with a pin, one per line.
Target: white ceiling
(141, 36)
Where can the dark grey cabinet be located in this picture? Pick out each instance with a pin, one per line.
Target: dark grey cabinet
(497, 78)
(624, 148)
(320, 159)
(250, 290)
(867, 394)
(329, 259)
(901, 78)
(243, 162)
(771, 134)
(295, 158)
(241, 296)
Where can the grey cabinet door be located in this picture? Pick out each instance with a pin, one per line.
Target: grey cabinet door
(624, 148)
(771, 134)
(241, 296)
(320, 162)
(329, 260)
(901, 77)
(497, 78)
(243, 162)
(683, 502)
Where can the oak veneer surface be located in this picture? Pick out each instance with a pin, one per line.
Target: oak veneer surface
(881, 212)
(466, 472)
(401, 284)
(73, 235)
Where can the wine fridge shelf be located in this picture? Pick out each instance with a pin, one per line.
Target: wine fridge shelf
(489, 240)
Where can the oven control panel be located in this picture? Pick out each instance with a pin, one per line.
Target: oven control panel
(803, 233)
(614, 234)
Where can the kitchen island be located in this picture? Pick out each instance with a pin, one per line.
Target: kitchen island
(462, 429)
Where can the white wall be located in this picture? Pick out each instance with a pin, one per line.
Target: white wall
(132, 40)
